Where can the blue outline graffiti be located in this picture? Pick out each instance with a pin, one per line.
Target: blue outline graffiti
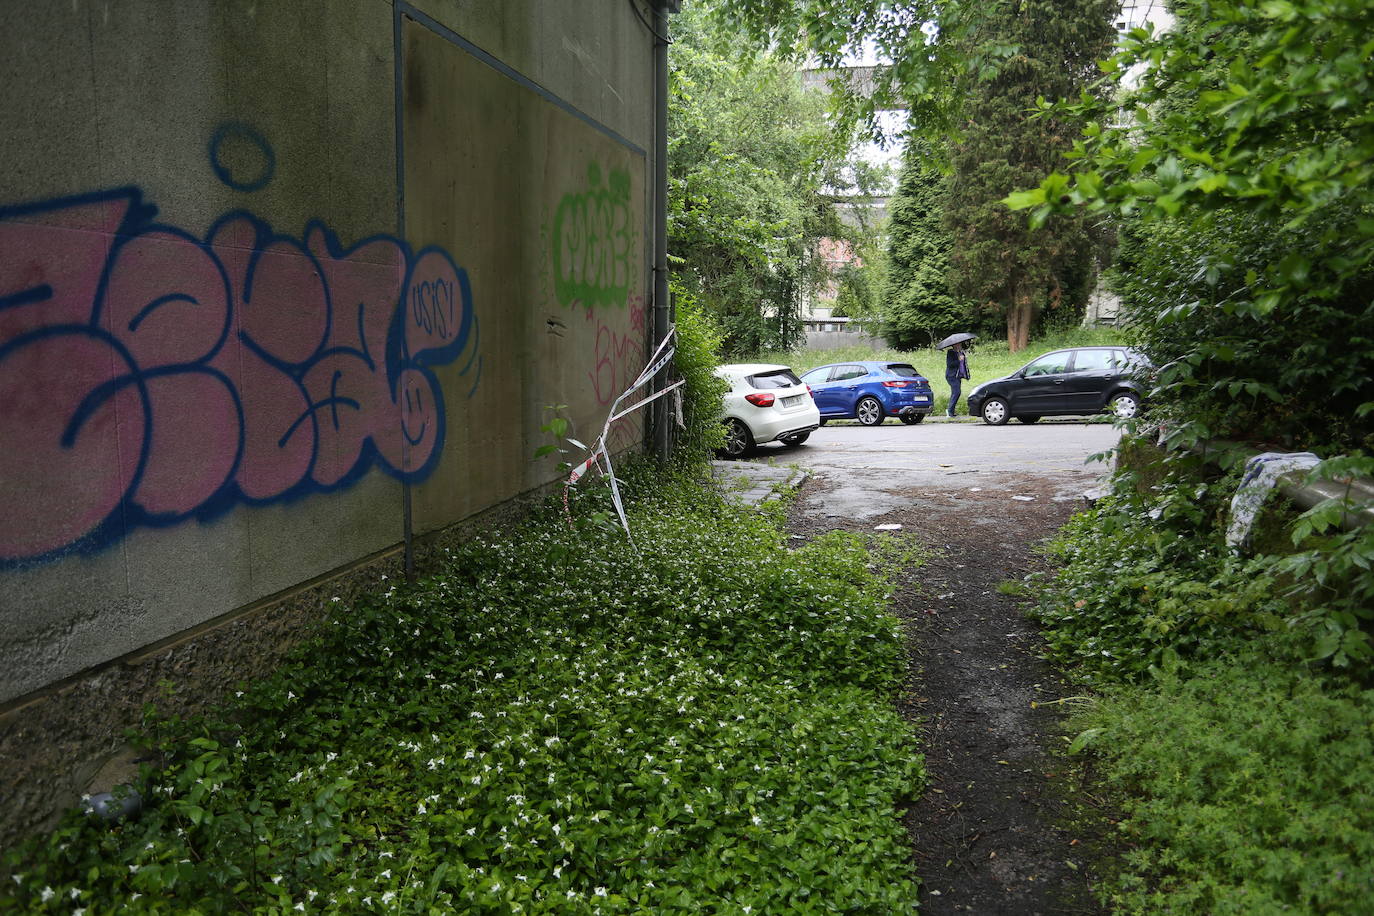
(428, 322)
(237, 130)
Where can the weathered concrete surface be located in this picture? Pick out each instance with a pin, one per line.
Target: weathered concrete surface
(229, 232)
(946, 456)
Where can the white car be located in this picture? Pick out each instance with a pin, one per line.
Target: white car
(765, 402)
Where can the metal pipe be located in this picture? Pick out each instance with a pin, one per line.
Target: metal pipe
(662, 441)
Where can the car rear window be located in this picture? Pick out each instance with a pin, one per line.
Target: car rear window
(1090, 360)
(777, 378)
(903, 369)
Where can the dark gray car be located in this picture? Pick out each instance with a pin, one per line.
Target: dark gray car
(1076, 382)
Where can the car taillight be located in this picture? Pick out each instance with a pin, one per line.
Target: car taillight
(810, 392)
(760, 399)
(892, 384)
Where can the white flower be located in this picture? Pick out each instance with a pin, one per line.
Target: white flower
(276, 879)
(74, 893)
(600, 892)
(757, 820)
(385, 874)
(557, 870)
(46, 894)
(299, 906)
(388, 896)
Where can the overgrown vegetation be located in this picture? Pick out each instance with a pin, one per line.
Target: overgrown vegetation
(1242, 170)
(1231, 714)
(1235, 718)
(557, 721)
(753, 162)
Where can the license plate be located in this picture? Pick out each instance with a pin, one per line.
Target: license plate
(921, 400)
(793, 401)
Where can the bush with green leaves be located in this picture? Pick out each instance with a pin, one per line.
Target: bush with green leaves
(560, 720)
(1248, 788)
(698, 354)
(1146, 579)
(1146, 582)
(1240, 166)
(1233, 722)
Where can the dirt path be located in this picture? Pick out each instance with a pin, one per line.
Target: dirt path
(987, 834)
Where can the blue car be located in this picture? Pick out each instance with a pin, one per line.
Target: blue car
(870, 391)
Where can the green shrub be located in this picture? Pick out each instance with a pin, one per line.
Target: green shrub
(560, 721)
(1145, 581)
(698, 353)
(1249, 789)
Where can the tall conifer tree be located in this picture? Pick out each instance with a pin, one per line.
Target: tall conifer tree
(1022, 50)
(918, 306)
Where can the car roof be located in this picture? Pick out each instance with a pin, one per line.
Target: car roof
(752, 368)
(867, 362)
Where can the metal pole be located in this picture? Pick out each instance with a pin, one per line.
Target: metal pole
(662, 441)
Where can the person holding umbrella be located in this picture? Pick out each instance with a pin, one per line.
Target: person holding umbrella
(956, 366)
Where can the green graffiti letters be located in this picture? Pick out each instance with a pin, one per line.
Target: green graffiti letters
(592, 238)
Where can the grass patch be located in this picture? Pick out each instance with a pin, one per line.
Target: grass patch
(557, 722)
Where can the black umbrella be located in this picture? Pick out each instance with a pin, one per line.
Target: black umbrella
(953, 339)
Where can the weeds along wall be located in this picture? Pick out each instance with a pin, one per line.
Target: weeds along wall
(284, 286)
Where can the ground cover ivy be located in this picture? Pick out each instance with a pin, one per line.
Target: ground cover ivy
(558, 721)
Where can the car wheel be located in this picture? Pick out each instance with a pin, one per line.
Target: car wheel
(1124, 406)
(796, 439)
(738, 440)
(911, 419)
(995, 412)
(1028, 417)
(869, 411)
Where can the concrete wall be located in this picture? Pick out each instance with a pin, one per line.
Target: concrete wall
(282, 284)
(834, 333)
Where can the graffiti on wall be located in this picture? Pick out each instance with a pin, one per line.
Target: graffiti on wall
(618, 360)
(148, 376)
(592, 242)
